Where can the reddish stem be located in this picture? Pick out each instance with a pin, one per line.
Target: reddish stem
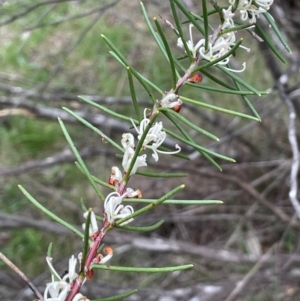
(92, 253)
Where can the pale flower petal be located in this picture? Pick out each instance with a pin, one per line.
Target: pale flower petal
(93, 225)
(114, 209)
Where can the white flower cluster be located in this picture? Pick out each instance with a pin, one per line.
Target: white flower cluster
(223, 44)
(153, 140)
(252, 9)
(59, 287)
(113, 207)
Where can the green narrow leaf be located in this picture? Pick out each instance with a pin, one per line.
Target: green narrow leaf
(86, 240)
(153, 32)
(176, 62)
(208, 106)
(201, 148)
(179, 127)
(190, 124)
(49, 250)
(135, 73)
(169, 54)
(105, 184)
(118, 297)
(205, 21)
(96, 130)
(178, 25)
(142, 229)
(161, 175)
(189, 16)
(142, 269)
(143, 82)
(269, 42)
(238, 79)
(151, 84)
(175, 202)
(210, 159)
(236, 28)
(227, 91)
(197, 17)
(49, 213)
(82, 204)
(104, 109)
(249, 104)
(133, 95)
(152, 205)
(80, 161)
(277, 31)
(217, 80)
(235, 5)
(205, 155)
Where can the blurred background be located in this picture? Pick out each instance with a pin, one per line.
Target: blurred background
(246, 249)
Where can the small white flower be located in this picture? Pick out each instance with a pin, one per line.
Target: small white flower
(222, 46)
(264, 3)
(115, 175)
(56, 291)
(93, 225)
(127, 141)
(154, 138)
(72, 275)
(54, 274)
(109, 254)
(114, 209)
(170, 100)
(190, 43)
(80, 297)
(247, 7)
(228, 15)
(127, 159)
(133, 193)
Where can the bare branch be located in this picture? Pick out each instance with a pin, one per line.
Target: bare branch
(70, 18)
(22, 276)
(30, 9)
(65, 156)
(281, 84)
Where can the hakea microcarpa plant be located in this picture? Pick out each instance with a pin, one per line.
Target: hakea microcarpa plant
(216, 49)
